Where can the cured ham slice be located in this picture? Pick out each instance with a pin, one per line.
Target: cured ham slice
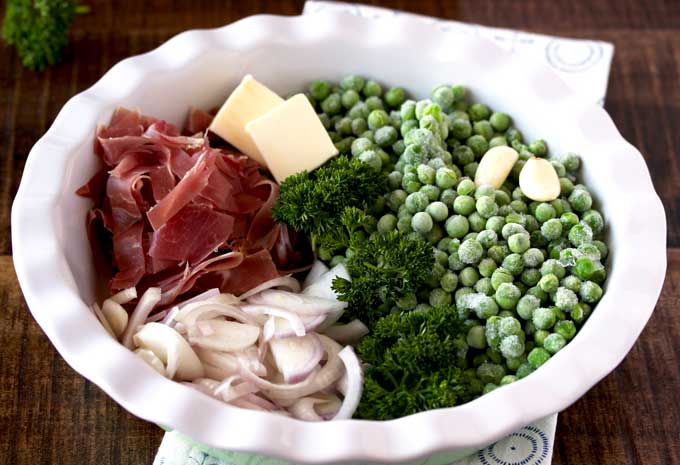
(175, 213)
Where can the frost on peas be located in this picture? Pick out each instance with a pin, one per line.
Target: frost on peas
(543, 318)
(426, 174)
(374, 103)
(554, 342)
(526, 306)
(549, 283)
(571, 162)
(395, 96)
(394, 180)
(513, 263)
(408, 110)
(519, 243)
(566, 329)
(499, 277)
(572, 283)
(407, 127)
(537, 357)
(539, 336)
(404, 223)
(484, 129)
(372, 89)
(360, 145)
(559, 168)
(396, 199)
(594, 219)
(463, 156)
(545, 212)
(510, 229)
(385, 136)
(432, 192)
(589, 250)
(569, 219)
(459, 128)
(532, 258)
(449, 282)
(539, 148)
(580, 234)
(490, 372)
(398, 147)
(602, 247)
(416, 202)
(498, 253)
(445, 178)
(438, 211)
(495, 223)
(551, 229)
(487, 238)
(565, 299)
(448, 196)
(464, 205)
(590, 292)
(372, 159)
(512, 346)
(470, 252)
(566, 186)
(422, 222)
(580, 200)
(530, 277)
(359, 126)
(507, 296)
(478, 144)
(377, 119)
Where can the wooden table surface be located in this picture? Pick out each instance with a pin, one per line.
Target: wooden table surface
(49, 414)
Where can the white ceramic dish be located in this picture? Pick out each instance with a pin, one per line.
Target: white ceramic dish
(53, 260)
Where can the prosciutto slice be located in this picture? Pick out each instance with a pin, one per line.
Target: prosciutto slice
(172, 211)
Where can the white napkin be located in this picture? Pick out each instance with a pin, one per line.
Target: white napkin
(582, 64)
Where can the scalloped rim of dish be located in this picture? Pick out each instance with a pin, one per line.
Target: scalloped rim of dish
(46, 281)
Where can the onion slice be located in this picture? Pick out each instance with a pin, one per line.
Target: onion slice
(141, 312)
(227, 336)
(296, 357)
(286, 282)
(355, 384)
(172, 349)
(299, 303)
(125, 296)
(293, 320)
(318, 269)
(349, 333)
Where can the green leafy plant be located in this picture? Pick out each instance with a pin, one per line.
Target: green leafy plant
(39, 29)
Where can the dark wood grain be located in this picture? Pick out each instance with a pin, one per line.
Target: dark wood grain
(49, 414)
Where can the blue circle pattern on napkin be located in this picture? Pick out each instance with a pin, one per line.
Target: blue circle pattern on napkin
(528, 446)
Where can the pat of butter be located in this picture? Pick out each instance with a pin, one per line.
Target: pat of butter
(291, 138)
(248, 101)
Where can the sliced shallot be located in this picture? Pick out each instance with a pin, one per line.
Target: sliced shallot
(227, 336)
(293, 319)
(141, 312)
(299, 303)
(355, 384)
(171, 348)
(296, 357)
(285, 282)
(318, 268)
(349, 333)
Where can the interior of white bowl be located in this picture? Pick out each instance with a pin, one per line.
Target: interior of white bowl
(200, 68)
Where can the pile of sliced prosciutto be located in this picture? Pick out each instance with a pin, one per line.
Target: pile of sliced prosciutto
(173, 212)
(268, 349)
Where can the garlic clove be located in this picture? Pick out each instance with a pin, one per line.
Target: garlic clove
(539, 181)
(495, 166)
(171, 348)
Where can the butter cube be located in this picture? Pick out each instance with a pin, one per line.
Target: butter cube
(291, 138)
(247, 102)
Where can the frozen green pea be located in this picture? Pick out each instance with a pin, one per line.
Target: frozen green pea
(449, 282)
(361, 145)
(465, 187)
(537, 357)
(399, 147)
(551, 229)
(426, 174)
(478, 144)
(580, 200)
(512, 346)
(571, 161)
(404, 223)
(532, 258)
(439, 296)
(438, 211)
(395, 96)
(442, 96)
(460, 128)
(468, 276)
(566, 186)
(483, 286)
(394, 179)
(407, 302)
(407, 127)
(470, 251)
(385, 136)
(445, 178)
(500, 276)
(432, 192)
(463, 155)
(374, 103)
(484, 129)
(487, 238)
(539, 148)
(359, 126)
(485, 190)
(568, 220)
(566, 329)
(408, 110)
(477, 222)
(396, 199)
(590, 292)
(580, 234)
(416, 202)
(332, 104)
(387, 223)
(554, 342)
(594, 219)
(549, 283)
(543, 318)
(565, 299)
(513, 263)
(526, 306)
(545, 212)
(464, 205)
(377, 119)
(448, 196)
(495, 223)
(559, 168)
(476, 337)
(422, 222)
(350, 98)
(603, 249)
(510, 229)
(507, 296)
(524, 370)
(539, 336)
(519, 243)
(530, 276)
(437, 163)
(372, 159)
(319, 89)
(498, 253)
(372, 89)
(478, 112)
(500, 121)
(589, 250)
(572, 283)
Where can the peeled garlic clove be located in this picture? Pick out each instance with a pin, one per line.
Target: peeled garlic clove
(115, 315)
(165, 343)
(495, 166)
(538, 180)
(150, 358)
